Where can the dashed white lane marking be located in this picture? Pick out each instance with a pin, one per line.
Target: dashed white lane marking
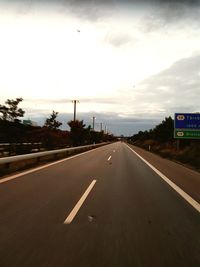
(42, 167)
(109, 158)
(79, 204)
(188, 198)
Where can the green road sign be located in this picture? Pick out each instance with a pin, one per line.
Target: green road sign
(186, 134)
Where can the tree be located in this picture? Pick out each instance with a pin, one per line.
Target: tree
(11, 112)
(77, 132)
(4, 111)
(51, 122)
(164, 131)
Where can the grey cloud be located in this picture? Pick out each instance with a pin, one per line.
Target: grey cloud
(182, 109)
(170, 13)
(174, 12)
(88, 10)
(104, 2)
(109, 101)
(97, 9)
(175, 89)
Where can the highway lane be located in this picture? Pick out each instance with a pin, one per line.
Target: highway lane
(131, 217)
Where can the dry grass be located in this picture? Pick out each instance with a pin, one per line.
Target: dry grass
(189, 155)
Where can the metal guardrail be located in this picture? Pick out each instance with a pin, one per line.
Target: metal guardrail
(9, 144)
(7, 160)
(13, 149)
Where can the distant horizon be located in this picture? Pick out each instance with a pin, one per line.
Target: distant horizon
(117, 126)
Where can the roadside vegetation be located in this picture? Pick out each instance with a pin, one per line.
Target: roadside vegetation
(49, 136)
(160, 140)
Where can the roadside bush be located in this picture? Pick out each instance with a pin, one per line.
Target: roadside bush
(186, 154)
(166, 153)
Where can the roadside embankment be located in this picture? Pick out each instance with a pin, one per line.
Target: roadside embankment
(189, 155)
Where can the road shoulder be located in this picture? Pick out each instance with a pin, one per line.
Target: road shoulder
(188, 180)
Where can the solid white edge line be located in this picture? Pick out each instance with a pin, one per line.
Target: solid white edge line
(109, 158)
(79, 203)
(3, 180)
(188, 198)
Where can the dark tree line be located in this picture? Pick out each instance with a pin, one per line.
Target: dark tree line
(160, 140)
(163, 132)
(13, 131)
(82, 135)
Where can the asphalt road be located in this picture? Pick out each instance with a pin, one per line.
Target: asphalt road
(130, 217)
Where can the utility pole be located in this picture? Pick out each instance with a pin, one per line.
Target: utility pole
(93, 121)
(105, 129)
(75, 101)
(101, 126)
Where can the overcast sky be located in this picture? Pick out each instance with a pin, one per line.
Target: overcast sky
(130, 63)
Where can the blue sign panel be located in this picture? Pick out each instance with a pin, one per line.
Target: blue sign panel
(187, 121)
